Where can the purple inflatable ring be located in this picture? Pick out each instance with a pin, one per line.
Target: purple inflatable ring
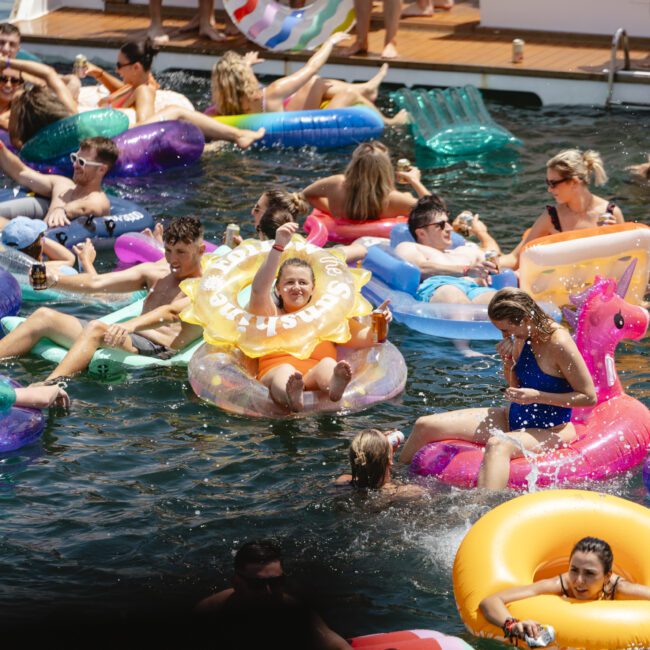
(19, 426)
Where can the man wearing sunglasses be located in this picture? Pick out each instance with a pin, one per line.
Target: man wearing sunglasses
(257, 612)
(60, 199)
(451, 275)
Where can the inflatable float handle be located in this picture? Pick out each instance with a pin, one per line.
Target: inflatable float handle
(394, 271)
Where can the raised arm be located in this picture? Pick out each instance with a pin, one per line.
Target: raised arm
(16, 169)
(104, 78)
(159, 316)
(319, 192)
(261, 303)
(56, 252)
(286, 86)
(414, 178)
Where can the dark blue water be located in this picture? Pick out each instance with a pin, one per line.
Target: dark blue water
(135, 502)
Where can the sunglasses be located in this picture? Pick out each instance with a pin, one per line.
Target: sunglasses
(77, 159)
(554, 184)
(262, 583)
(439, 224)
(119, 65)
(14, 81)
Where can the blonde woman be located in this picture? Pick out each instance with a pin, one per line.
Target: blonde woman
(236, 90)
(568, 177)
(366, 190)
(546, 377)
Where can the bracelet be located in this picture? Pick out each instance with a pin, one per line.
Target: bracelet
(507, 626)
(277, 247)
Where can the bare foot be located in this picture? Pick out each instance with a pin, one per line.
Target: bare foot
(371, 87)
(416, 10)
(190, 25)
(445, 6)
(158, 36)
(295, 390)
(158, 232)
(246, 138)
(341, 377)
(399, 118)
(212, 33)
(390, 52)
(358, 49)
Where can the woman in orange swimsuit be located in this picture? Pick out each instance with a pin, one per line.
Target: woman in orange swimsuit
(286, 376)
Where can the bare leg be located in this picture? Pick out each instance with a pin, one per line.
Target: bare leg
(81, 352)
(285, 386)
(204, 22)
(156, 31)
(210, 128)
(495, 468)
(363, 9)
(419, 8)
(63, 329)
(330, 377)
(450, 294)
(392, 11)
(473, 425)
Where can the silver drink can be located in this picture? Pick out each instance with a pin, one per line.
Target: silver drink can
(518, 50)
(232, 230)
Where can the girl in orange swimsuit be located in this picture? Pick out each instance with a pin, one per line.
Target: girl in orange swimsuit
(286, 376)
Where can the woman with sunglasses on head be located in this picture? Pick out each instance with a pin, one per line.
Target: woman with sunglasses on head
(568, 176)
(366, 190)
(547, 377)
(137, 91)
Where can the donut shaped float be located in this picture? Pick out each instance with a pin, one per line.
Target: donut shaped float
(215, 301)
(10, 295)
(504, 549)
(409, 640)
(275, 26)
(63, 137)
(612, 436)
(551, 268)
(345, 231)
(324, 128)
(226, 377)
(18, 426)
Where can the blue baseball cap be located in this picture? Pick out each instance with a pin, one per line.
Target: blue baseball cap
(22, 232)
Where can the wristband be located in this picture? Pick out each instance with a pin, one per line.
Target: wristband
(277, 247)
(508, 624)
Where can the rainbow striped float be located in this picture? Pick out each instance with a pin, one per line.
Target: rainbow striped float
(274, 26)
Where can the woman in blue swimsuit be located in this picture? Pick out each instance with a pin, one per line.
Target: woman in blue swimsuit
(546, 376)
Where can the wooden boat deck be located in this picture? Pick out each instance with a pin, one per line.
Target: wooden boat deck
(452, 41)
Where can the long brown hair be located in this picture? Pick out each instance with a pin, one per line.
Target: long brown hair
(369, 458)
(514, 305)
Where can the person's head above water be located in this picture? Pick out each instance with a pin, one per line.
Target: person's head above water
(94, 159)
(233, 84)
(259, 574)
(294, 285)
(369, 180)
(183, 240)
(9, 40)
(590, 568)
(371, 456)
(136, 55)
(271, 220)
(516, 314)
(25, 235)
(280, 199)
(425, 222)
(575, 166)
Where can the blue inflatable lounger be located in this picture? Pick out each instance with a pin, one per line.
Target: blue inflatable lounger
(453, 122)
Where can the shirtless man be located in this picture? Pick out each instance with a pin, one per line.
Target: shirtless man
(157, 332)
(67, 198)
(458, 275)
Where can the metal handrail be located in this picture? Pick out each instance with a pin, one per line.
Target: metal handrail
(611, 72)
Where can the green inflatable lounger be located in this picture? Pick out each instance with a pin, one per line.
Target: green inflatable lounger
(108, 362)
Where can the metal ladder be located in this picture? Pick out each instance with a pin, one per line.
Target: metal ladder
(620, 35)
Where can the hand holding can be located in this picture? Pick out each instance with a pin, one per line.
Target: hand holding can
(380, 322)
(38, 276)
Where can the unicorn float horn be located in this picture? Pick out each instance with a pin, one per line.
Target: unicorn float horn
(624, 283)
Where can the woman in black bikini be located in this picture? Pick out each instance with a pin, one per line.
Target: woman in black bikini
(568, 175)
(589, 577)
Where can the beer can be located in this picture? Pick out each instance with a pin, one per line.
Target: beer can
(603, 218)
(492, 256)
(395, 438)
(518, 50)
(80, 66)
(465, 220)
(232, 231)
(545, 637)
(38, 276)
(379, 325)
(403, 165)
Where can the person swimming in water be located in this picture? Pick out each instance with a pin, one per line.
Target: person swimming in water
(546, 376)
(589, 577)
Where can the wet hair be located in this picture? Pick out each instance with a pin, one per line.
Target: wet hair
(600, 548)
(424, 210)
(369, 458)
(106, 150)
(232, 82)
(188, 230)
(293, 202)
(261, 551)
(8, 28)
(369, 180)
(514, 305)
(585, 166)
(142, 52)
(272, 219)
(32, 110)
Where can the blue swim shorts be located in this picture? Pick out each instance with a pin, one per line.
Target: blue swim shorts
(470, 288)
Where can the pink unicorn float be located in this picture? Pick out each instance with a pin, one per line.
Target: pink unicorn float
(612, 436)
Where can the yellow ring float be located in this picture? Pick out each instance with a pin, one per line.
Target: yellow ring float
(216, 307)
(529, 539)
